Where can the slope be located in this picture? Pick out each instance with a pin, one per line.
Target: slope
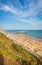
(13, 54)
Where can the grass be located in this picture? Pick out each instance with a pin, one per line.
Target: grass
(14, 54)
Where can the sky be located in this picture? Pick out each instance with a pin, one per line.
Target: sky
(21, 14)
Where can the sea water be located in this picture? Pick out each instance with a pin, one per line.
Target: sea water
(32, 33)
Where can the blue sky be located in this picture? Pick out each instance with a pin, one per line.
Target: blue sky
(21, 14)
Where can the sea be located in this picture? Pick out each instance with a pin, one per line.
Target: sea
(32, 33)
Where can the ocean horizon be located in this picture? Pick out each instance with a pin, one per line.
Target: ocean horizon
(32, 33)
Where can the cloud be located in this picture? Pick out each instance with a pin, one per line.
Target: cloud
(31, 21)
(29, 10)
(33, 9)
(9, 8)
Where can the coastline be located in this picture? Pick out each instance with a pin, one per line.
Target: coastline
(34, 45)
(30, 43)
(13, 51)
(31, 33)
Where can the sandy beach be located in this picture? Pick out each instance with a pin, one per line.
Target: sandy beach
(31, 44)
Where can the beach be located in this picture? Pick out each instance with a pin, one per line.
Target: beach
(31, 44)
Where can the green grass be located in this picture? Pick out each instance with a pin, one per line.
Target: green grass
(12, 51)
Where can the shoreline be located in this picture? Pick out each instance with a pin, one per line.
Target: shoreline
(23, 32)
(30, 43)
(25, 35)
